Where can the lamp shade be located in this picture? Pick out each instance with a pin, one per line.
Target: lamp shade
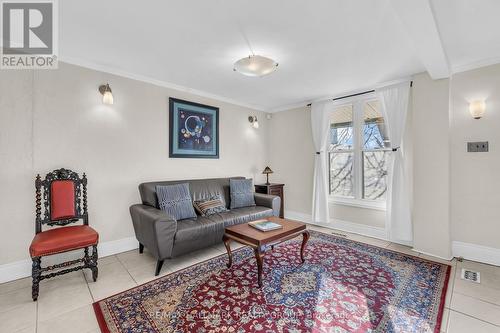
(267, 170)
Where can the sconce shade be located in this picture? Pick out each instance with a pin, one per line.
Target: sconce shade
(107, 94)
(477, 109)
(253, 120)
(267, 170)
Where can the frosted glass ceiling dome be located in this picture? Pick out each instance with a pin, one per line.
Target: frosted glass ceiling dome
(255, 65)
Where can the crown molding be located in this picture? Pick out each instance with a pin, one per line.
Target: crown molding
(475, 65)
(156, 82)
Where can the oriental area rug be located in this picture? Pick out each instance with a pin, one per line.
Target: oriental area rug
(343, 286)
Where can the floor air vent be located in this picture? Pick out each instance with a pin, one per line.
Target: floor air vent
(339, 234)
(471, 276)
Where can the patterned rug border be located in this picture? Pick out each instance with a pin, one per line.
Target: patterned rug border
(104, 328)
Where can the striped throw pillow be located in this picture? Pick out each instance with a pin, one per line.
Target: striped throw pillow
(210, 206)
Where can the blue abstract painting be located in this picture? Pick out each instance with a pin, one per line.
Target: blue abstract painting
(194, 130)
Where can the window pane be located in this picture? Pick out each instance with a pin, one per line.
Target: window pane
(341, 131)
(375, 174)
(374, 130)
(341, 174)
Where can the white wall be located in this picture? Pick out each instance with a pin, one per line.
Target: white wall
(55, 118)
(455, 194)
(52, 119)
(430, 141)
(17, 196)
(475, 177)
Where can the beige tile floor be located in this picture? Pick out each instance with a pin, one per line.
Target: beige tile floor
(65, 302)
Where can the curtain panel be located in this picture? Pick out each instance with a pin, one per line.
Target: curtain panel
(394, 102)
(320, 122)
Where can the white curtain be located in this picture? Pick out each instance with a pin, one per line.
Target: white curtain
(320, 122)
(394, 104)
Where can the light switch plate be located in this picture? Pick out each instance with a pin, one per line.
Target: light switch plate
(477, 147)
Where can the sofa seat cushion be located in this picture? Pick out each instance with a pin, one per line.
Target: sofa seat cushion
(244, 214)
(63, 239)
(201, 229)
(209, 229)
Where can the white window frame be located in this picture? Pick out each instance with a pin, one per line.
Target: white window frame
(357, 103)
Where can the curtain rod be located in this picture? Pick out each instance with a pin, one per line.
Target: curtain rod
(357, 94)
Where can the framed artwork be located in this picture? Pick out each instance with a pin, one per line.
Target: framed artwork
(193, 130)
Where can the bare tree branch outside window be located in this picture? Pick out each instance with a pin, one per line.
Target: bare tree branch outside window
(375, 153)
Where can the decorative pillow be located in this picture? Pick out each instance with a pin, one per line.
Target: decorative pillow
(210, 206)
(175, 200)
(241, 193)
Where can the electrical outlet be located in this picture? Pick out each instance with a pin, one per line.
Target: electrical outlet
(477, 147)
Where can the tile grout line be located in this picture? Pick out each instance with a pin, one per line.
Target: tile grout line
(479, 299)
(121, 263)
(452, 287)
(88, 287)
(470, 316)
(36, 317)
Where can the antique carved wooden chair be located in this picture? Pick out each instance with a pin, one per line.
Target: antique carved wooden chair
(64, 196)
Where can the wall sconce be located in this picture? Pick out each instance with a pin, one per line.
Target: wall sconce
(477, 109)
(107, 95)
(253, 121)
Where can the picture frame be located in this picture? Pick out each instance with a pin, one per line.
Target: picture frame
(193, 130)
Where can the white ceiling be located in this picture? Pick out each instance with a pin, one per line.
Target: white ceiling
(324, 47)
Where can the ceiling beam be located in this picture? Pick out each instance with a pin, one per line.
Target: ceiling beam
(418, 19)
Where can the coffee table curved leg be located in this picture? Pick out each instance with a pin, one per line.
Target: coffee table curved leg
(227, 241)
(259, 255)
(305, 238)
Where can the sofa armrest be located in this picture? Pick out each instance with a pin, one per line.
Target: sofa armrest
(267, 200)
(155, 229)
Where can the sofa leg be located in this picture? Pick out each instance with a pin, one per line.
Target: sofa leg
(159, 263)
(141, 248)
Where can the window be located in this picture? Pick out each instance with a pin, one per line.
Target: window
(359, 152)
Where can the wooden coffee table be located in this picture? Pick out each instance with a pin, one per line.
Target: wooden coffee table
(260, 240)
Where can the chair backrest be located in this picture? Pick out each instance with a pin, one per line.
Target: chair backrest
(63, 197)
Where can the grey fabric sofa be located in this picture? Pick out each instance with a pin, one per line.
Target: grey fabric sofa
(166, 237)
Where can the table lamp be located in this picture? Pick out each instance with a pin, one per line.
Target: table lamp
(266, 172)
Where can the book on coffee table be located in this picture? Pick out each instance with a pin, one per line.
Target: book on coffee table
(265, 225)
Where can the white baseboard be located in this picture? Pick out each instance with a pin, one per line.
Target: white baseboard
(474, 252)
(431, 254)
(355, 228)
(21, 269)
(298, 216)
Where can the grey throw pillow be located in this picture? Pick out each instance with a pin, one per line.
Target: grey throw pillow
(241, 193)
(175, 200)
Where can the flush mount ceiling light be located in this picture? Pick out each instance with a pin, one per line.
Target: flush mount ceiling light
(255, 65)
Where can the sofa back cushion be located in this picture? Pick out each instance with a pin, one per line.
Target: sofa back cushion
(198, 188)
(175, 200)
(242, 193)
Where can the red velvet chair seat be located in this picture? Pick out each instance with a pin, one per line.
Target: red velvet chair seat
(62, 240)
